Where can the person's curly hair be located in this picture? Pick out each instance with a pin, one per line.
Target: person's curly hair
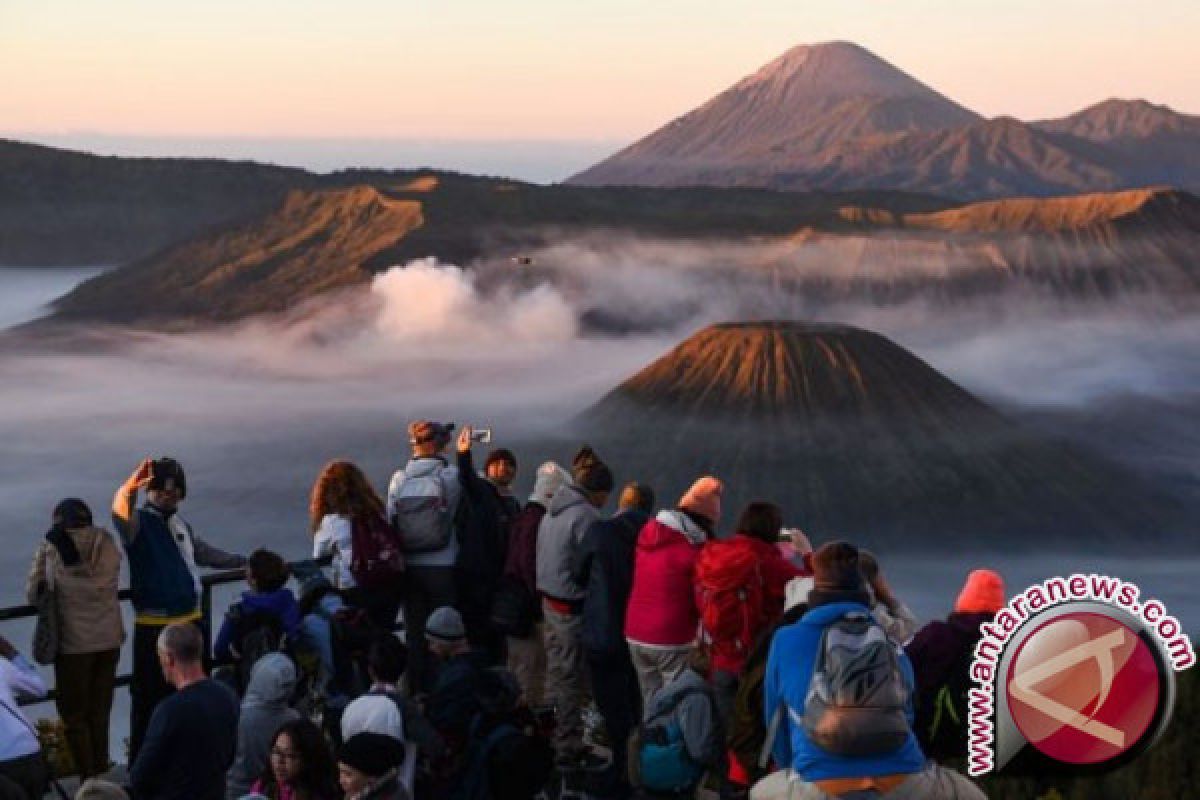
(341, 488)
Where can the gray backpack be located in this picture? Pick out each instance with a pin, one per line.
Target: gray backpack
(856, 701)
(421, 513)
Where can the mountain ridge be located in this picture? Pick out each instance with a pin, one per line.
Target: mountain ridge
(835, 116)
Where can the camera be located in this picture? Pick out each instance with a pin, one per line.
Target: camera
(482, 435)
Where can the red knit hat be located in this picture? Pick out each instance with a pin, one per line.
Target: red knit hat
(983, 591)
(704, 498)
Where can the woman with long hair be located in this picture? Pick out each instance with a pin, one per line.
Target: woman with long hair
(343, 501)
(300, 765)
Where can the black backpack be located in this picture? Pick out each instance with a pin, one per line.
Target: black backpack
(255, 634)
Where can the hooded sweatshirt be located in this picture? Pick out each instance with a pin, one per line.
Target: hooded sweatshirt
(85, 594)
(264, 709)
(695, 714)
(662, 605)
(789, 672)
(560, 536)
(280, 603)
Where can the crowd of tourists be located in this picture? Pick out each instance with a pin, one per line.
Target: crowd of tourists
(447, 640)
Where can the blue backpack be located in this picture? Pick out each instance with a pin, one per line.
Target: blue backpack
(660, 761)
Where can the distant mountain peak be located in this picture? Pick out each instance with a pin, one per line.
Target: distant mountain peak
(836, 69)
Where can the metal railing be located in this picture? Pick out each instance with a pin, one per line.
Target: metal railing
(207, 582)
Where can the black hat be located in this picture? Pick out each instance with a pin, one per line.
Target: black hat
(372, 754)
(166, 472)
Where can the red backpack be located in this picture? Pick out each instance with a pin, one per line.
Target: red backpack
(377, 553)
(730, 591)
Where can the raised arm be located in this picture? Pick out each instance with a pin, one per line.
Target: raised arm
(125, 500)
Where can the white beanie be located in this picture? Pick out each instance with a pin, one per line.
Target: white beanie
(549, 479)
(796, 591)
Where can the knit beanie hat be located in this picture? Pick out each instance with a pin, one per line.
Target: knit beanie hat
(500, 454)
(590, 473)
(983, 591)
(704, 498)
(446, 625)
(549, 479)
(835, 568)
(97, 789)
(372, 754)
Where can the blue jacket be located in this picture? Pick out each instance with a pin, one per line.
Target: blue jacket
(789, 671)
(281, 603)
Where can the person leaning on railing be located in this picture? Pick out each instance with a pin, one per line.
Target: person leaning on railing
(164, 554)
(81, 564)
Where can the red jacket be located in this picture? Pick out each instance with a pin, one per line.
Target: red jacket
(774, 571)
(662, 606)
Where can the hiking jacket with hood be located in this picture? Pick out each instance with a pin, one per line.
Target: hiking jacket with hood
(264, 709)
(699, 724)
(662, 604)
(771, 569)
(484, 520)
(419, 468)
(937, 652)
(604, 568)
(89, 613)
(280, 603)
(790, 665)
(560, 536)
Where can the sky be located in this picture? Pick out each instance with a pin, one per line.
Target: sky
(528, 83)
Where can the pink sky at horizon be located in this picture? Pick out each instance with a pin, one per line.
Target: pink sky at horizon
(535, 69)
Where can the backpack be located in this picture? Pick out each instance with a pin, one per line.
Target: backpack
(730, 592)
(856, 700)
(658, 759)
(376, 553)
(255, 635)
(507, 755)
(421, 513)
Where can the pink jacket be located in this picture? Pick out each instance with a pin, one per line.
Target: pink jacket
(662, 607)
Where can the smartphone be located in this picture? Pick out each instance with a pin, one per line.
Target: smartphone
(482, 435)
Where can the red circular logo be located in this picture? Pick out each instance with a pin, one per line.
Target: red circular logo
(1083, 688)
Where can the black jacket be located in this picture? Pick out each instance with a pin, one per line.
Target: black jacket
(603, 566)
(483, 522)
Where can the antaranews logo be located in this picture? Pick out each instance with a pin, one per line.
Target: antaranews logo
(1079, 669)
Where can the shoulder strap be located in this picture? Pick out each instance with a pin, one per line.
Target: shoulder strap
(764, 757)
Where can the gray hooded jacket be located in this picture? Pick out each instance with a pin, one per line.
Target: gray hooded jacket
(698, 722)
(560, 536)
(264, 709)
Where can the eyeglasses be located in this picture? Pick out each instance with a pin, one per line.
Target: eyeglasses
(284, 755)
